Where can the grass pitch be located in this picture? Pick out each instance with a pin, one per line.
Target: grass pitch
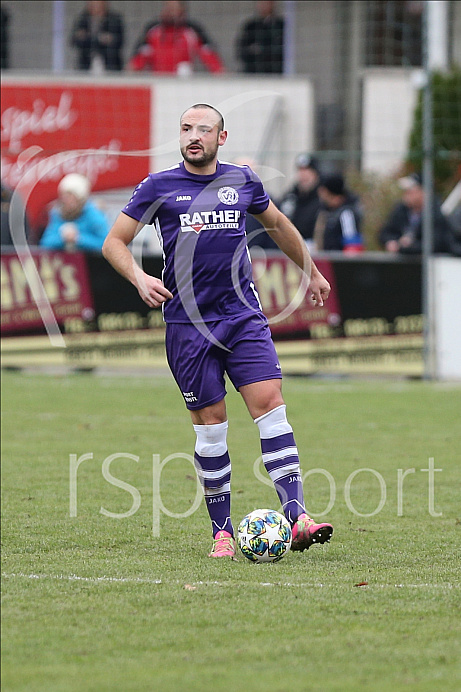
(96, 602)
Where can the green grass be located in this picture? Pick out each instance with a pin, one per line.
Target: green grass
(93, 603)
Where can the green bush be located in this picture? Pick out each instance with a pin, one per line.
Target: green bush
(377, 195)
(446, 90)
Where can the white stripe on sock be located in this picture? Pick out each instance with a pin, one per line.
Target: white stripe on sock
(276, 474)
(209, 475)
(280, 454)
(217, 491)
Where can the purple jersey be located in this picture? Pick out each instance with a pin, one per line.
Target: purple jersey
(200, 221)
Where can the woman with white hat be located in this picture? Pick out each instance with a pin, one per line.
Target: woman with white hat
(75, 222)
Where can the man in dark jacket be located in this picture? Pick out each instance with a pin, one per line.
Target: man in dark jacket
(260, 43)
(339, 220)
(402, 231)
(302, 204)
(98, 34)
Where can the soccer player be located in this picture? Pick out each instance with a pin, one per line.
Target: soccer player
(214, 321)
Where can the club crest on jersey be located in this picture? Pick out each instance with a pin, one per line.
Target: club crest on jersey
(209, 220)
(227, 195)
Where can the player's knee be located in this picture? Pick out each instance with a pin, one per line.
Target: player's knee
(208, 419)
(267, 405)
(210, 415)
(274, 402)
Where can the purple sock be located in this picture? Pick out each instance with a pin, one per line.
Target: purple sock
(213, 467)
(280, 457)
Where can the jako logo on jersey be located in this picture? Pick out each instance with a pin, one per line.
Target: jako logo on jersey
(183, 198)
(209, 220)
(227, 195)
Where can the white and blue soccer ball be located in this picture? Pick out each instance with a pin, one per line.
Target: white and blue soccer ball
(264, 535)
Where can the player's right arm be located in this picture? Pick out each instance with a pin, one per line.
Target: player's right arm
(116, 252)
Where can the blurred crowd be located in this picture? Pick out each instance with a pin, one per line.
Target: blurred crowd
(169, 44)
(330, 216)
(173, 44)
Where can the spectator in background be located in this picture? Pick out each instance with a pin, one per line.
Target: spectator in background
(260, 43)
(402, 232)
(173, 44)
(75, 223)
(98, 35)
(6, 234)
(302, 203)
(5, 39)
(339, 220)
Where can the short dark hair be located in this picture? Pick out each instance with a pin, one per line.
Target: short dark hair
(334, 183)
(207, 105)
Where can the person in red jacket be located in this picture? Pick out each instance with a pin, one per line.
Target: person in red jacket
(173, 44)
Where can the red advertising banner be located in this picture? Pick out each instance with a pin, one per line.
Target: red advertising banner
(64, 278)
(49, 130)
(286, 301)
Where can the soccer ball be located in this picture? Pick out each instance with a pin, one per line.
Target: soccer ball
(264, 535)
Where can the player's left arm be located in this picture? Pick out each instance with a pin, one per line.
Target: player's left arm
(290, 241)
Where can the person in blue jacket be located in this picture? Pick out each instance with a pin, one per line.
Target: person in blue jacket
(75, 222)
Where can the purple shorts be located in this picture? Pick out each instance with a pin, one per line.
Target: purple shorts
(199, 355)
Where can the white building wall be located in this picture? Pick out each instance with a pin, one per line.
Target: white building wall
(389, 100)
(446, 274)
